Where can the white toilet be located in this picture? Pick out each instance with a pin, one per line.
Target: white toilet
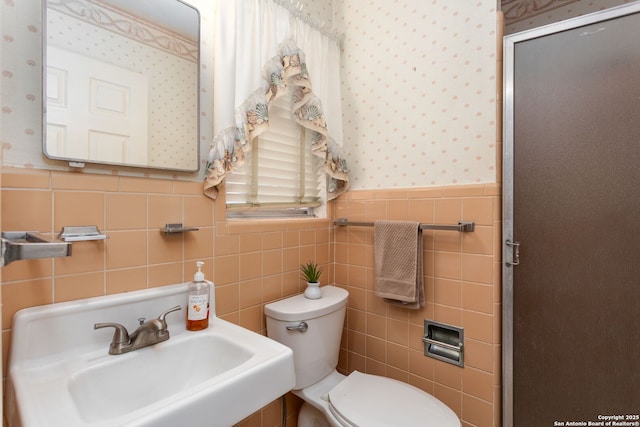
(313, 329)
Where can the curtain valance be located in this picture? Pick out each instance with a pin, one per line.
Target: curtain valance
(229, 147)
(251, 72)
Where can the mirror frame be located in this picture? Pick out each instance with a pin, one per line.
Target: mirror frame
(79, 162)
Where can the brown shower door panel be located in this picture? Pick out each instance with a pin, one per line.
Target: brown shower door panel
(576, 204)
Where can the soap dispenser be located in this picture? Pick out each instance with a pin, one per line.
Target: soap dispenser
(198, 306)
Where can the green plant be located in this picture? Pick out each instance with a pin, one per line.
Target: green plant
(311, 272)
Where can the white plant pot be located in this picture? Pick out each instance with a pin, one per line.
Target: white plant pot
(313, 290)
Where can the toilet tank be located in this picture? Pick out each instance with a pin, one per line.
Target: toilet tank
(316, 350)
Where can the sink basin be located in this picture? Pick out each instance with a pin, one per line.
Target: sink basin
(60, 372)
(124, 381)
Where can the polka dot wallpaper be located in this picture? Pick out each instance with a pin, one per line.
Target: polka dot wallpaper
(21, 92)
(419, 91)
(320, 11)
(418, 86)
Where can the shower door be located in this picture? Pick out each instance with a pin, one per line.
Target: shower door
(571, 229)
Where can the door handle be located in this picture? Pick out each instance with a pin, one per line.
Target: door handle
(515, 246)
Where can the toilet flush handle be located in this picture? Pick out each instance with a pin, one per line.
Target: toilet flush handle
(300, 327)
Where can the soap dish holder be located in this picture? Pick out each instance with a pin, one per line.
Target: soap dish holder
(81, 233)
(177, 228)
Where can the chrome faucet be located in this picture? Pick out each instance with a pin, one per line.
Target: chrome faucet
(148, 333)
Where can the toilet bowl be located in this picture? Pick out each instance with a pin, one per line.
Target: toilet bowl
(313, 330)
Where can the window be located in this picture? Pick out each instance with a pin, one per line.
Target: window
(307, 181)
(280, 177)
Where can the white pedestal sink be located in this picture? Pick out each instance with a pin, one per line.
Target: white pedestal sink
(60, 372)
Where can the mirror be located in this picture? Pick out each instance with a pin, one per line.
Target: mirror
(121, 83)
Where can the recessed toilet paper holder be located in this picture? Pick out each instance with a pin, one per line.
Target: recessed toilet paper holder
(444, 342)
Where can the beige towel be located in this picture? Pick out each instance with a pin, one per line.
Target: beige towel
(398, 263)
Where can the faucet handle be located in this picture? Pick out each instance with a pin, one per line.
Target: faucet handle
(120, 336)
(161, 324)
(172, 309)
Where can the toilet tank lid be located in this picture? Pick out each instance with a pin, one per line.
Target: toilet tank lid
(300, 308)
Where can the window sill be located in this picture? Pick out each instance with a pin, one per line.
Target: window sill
(244, 225)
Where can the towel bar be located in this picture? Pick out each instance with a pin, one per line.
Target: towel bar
(462, 226)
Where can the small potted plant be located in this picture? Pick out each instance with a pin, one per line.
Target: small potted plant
(311, 272)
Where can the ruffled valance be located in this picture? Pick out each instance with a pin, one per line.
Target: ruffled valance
(230, 147)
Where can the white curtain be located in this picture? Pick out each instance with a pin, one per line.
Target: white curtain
(254, 41)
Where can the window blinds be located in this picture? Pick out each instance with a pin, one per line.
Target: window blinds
(280, 172)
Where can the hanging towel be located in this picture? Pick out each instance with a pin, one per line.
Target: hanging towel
(398, 263)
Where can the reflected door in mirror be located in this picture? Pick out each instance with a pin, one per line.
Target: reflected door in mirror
(95, 110)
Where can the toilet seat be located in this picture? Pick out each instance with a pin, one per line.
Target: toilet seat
(363, 400)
